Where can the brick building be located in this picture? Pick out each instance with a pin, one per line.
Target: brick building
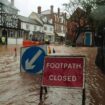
(77, 20)
(55, 19)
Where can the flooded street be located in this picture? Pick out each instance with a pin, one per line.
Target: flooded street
(16, 88)
(20, 88)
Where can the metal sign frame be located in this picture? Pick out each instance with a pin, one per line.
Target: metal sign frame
(84, 80)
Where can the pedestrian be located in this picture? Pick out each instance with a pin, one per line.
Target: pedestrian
(53, 50)
(15, 51)
(3, 39)
(49, 50)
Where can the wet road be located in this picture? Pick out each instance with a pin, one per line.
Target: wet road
(17, 88)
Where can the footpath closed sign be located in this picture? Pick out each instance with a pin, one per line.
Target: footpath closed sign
(64, 71)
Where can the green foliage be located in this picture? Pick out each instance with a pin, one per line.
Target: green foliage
(98, 14)
(94, 11)
(100, 2)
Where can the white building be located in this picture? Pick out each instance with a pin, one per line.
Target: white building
(48, 29)
(31, 28)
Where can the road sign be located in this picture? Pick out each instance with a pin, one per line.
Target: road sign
(32, 58)
(63, 71)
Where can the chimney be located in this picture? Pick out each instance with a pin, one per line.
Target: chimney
(12, 2)
(39, 9)
(58, 11)
(52, 7)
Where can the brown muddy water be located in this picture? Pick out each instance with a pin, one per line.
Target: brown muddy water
(20, 88)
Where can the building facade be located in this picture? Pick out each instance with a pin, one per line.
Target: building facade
(59, 22)
(79, 30)
(31, 28)
(48, 29)
(74, 23)
(44, 25)
(55, 24)
(8, 21)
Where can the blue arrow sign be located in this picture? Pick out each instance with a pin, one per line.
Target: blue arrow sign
(32, 59)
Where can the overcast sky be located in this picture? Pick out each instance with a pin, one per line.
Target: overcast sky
(28, 6)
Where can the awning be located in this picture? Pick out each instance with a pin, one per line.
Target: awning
(50, 34)
(61, 34)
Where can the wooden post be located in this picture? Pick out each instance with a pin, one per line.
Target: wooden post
(41, 92)
(83, 96)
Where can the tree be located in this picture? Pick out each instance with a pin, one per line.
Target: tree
(100, 2)
(86, 7)
(71, 6)
(94, 12)
(98, 17)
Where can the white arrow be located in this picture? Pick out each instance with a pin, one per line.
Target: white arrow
(29, 64)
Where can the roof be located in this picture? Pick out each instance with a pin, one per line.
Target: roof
(47, 19)
(46, 12)
(7, 3)
(29, 20)
(36, 17)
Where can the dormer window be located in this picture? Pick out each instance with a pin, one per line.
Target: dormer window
(45, 19)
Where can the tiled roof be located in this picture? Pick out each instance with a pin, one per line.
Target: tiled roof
(36, 17)
(28, 20)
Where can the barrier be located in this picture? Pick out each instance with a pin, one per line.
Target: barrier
(27, 43)
(64, 71)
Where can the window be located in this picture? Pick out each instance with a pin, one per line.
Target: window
(60, 20)
(45, 28)
(27, 26)
(35, 28)
(11, 33)
(40, 29)
(51, 29)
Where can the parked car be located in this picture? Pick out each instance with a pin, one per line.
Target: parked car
(100, 58)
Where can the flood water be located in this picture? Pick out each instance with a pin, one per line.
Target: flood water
(20, 88)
